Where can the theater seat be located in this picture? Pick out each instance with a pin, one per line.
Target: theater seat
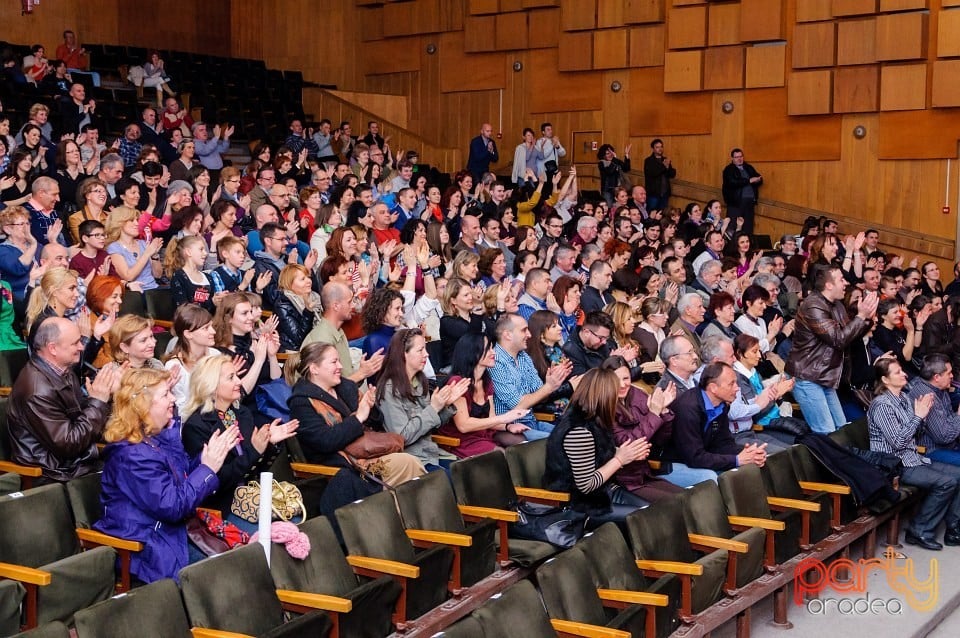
(235, 592)
(37, 532)
(155, 609)
(50, 630)
(326, 571)
(11, 597)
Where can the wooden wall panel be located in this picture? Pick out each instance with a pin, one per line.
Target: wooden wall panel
(765, 66)
(549, 90)
(813, 10)
(933, 136)
(682, 71)
(856, 89)
(948, 26)
(670, 114)
(204, 27)
(643, 11)
(853, 7)
(93, 22)
(723, 68)
(609, 14)
(578, 15)
(687, 28)
(902, 36)
(482, 7)
(762, 20)
(903, 5)
(856, 41)
(610, 48)
(814, 45)
(576, 51)
(486, 70)
(479, 33)
(946, 84)
(543, 28)
(511, 31)
(646, 45)
(723, 24)
(903, 87)
(786, 138)
(810, 92)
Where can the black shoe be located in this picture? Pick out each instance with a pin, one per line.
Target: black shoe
(921, 541)
(952, 536)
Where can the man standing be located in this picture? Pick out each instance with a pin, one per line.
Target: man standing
(76, 112)
(548, 150)
(516, 383)
(741, 188)
(297, 141)
(657, 173)
(483, 151)
(821, 335)
(406, 202)
(209, 149)
(52, 423)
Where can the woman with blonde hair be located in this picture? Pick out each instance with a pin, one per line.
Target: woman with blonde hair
(17, 254)
(466, 266)
(150, 486)
(56, 295)
(132, 258)
(131, 341)
(297, 307)
(624, 324)
(188, 282)
(213, 405)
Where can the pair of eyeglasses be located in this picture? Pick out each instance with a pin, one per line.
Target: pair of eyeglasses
(601, 338)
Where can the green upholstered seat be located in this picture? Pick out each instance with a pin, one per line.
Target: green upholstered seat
(53, 629)
(326, 571)
(527, 463)
(517, 612)
(484, 481)
(372, 528)
(37, 530)
(235, 592)
(743, 497)
(11, 596)
(428, 502)
(780, 479)
(155, 610)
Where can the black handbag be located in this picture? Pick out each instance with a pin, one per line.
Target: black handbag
(559, 526)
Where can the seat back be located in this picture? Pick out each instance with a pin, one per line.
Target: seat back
(11, 363)
(133, 304)
(232, 592)
(428, 502)
(705, 513)
(780, 476)
(5, 449)
(484, 481)
(11, 597)
(36, 528)
(155, 609)
(323, 571)
(517, 612)
(159, 303)
(84, 494)
(567, 588)
(468, 627)
(527, 463)
(372, 527)
(659, 531)
(855, 433)
(613, 568)
(742, 492)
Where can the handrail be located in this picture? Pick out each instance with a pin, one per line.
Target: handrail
(323, 102)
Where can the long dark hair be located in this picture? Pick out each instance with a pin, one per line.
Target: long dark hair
(395, 366)
(596, 397)
(538, 323)
(470, 350)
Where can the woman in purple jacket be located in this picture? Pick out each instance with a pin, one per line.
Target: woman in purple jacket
(150, 487)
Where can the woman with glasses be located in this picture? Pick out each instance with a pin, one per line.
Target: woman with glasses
(17, 255)
(93, 197)
(69, 175)
(651, 332)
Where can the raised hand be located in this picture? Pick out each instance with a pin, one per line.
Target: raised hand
(263, 280)
(370, 366)
(54, 231)
(216, 449)
(922, 405)
(103, 324)
(106, 382)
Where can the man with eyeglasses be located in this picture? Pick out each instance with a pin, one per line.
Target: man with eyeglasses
(271, 259)
(552, 233)
(681, 360)
(260, 194)
(589, 345)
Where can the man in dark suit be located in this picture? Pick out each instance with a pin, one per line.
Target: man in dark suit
(701, 427)
(741, 188)
(483, 151)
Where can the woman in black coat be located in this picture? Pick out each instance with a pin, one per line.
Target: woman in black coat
(297, 307)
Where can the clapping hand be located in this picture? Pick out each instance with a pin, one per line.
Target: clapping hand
(274, 433)
(662, 398)
(216, 449)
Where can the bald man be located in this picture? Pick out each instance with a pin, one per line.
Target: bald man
(338, 308)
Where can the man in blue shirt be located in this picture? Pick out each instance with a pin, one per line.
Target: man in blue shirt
(516, 383)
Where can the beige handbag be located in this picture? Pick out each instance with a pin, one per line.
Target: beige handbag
(287, 502)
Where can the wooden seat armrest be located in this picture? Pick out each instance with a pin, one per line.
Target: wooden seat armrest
(445, 441)
(776, 502)
(535, 493)
(474, 512)
(315, 601)
(23, 470)
(384, 566)
(99, 538)
(202, 632)
(440, 538)
(546, 417)
(750, 521)
(313, 469)
(670, 567)
(163, 323)
(654, 465)
(27, 575)
(633, 597)
(570, 628)
(829, 488)
(921, 449)
(715, 542)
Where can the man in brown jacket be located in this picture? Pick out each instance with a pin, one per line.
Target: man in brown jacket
(821, 338)
(51, 423)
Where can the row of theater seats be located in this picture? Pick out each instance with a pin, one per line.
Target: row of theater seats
(425, 556)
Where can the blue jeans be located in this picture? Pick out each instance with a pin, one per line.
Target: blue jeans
(656, 202)
(941, 499)
(950, 457)
(820, 406)
(540, 430)
(685, 476)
